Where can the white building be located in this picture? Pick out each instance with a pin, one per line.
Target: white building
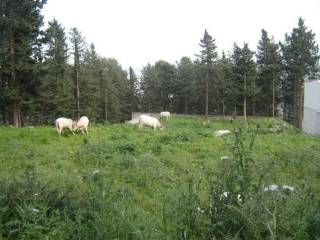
(311, 114)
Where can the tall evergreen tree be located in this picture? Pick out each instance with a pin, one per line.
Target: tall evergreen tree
(133, 91)
(114, 91)
(244, 72)
(90, 84)
(269, 69)
(20, 47)
(55, 88)
(166, 77)
(300, 57)
(185, 84)
(225, 84)
(78, 48)
(207, 59)
(150, 88)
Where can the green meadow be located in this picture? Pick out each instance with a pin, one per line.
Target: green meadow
(122, 182)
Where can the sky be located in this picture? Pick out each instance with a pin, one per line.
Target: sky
(138, 32)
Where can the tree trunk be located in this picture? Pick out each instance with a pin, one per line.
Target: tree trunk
(185, 104)
(223, 107)
(245, 99)
(207, 98)
(301, 105)
(15, 108)
(105, 108)
(254, 106)
(273, 96)
(16, 115)
(295, 102)
(78, 92)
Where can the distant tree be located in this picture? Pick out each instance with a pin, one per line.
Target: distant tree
(114, 91)
(300, 55)
(244, 71)
(78, 48)
(185, 83)
(225, 84)
(55, 88)
(150, 89)
(133, 91)
(90, 83)
(207, 59)
(20, 49)
(166, 77)
(269, 70)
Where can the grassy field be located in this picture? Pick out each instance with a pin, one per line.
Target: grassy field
(121, 182)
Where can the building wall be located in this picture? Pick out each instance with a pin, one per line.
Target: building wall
(311, 121)
(311, 115)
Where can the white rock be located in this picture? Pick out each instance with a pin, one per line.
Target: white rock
(220, 133)
(286, 187)
(273, 188)
(35, 210)
(223, 158)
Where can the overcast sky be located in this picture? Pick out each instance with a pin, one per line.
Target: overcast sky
(136, 32)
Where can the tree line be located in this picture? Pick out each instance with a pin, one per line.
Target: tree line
(47, 73)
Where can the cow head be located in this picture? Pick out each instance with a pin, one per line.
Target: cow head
(74, 125)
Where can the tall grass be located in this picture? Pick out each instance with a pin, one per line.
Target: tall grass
(121, 182)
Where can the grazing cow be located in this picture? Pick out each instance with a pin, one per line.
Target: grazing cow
(150, 122)
(82, 124)
(62, 123)
(165, 115)
(133, 121)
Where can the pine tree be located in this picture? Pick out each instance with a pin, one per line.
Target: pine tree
(150, 88)
(225, 83)
(185, 81)
(90, 84)
(166, 77)
(78, 48)
(20, 55)
(300, 57)
(133, 91)
(207, 59)
(269, 69)
(244, 73)
(55, 89)
(114, 91)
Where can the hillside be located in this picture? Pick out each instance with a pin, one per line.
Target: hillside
(121, 182)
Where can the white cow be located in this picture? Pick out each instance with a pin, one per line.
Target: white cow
(165, 115)
(150, 122)
(82, 124)
(62, 123)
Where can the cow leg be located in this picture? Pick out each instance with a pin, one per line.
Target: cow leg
(71, 130)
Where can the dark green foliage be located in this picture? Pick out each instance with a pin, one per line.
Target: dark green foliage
(207, 60)
(300, 54)
(268, 79)
(56, 86)
(244, 71)
(158, 84)
(134, 95)
(20, 54)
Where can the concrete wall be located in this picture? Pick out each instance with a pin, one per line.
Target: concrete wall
(312, 95)
(311, 122)
(311, 114)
